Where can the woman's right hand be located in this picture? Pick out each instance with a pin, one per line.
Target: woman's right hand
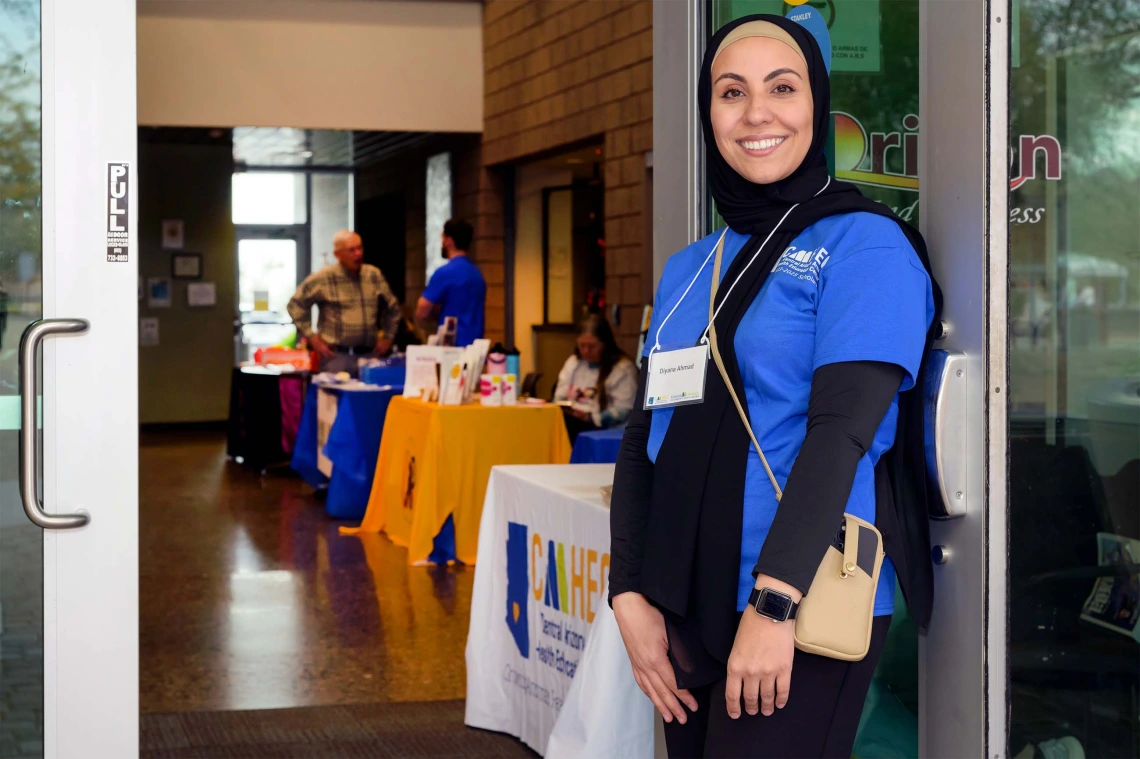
(642, 628)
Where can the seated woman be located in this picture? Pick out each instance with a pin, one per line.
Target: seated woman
(598, 382)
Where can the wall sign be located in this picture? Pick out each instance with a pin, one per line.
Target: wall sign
(118, 212)
(201, 294)
(160, 293)
(853, 27)
(173, 234)
(148, 331)
(809, 18)
(186, 265)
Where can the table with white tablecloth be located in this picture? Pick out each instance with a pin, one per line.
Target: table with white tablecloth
(539, 599)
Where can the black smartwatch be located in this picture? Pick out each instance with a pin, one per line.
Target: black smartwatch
(776, 606)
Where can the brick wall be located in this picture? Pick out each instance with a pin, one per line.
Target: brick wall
(561, 72)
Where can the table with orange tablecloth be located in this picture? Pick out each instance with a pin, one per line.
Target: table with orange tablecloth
(434, 464)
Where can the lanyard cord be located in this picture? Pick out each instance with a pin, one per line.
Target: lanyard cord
(657, 338)
(728, 382)
(712, 318)
(716, 276)
(705, 334)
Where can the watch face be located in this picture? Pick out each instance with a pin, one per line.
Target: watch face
(774, 604)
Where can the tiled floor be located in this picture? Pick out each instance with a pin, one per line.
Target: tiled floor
(251, 600)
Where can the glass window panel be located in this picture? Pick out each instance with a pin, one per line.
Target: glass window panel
(1074, 337)
(560, 257)
(268, 197)
(21, 542)
(267, 272)
(333, 207)
(438, 208)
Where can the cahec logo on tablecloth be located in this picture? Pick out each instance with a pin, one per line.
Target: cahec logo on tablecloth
(518, 587)
(574, 598)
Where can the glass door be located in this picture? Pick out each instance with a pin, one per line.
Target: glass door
(270, 211)
(875, 128)
(269, 261)
(1074, 379)
(68, 380)
(21, 269)
(919, 95)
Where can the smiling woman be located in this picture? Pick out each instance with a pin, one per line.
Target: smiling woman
(707, 531)
(762, 108)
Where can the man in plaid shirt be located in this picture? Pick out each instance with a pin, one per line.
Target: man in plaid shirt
(357, 313)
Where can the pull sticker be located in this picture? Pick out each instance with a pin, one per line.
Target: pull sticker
(118, 212)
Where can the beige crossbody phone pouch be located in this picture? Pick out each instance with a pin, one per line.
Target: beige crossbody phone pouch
(834, 618)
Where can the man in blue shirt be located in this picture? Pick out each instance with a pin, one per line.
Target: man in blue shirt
(457, 288)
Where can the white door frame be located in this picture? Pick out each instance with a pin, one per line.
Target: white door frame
(964, 48)
(964, 195)
(90, 383)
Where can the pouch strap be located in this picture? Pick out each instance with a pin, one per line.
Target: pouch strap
(724, 373)
(850, 546)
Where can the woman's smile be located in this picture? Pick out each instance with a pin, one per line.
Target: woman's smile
(762, 145)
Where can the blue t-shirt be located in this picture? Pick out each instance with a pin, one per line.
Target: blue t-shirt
(848, 288)
(458, 289)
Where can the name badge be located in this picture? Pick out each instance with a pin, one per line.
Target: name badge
(677, 377)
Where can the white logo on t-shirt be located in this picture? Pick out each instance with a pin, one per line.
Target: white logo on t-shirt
(802, 264)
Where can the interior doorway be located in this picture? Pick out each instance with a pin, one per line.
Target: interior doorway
(381, 223)
(269, 261)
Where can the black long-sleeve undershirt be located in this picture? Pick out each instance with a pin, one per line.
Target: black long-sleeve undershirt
(847, 404)
(629, 501)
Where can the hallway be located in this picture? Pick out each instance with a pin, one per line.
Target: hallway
(250, 600)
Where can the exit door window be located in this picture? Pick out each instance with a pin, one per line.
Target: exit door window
(267, 273)
(1074, 379)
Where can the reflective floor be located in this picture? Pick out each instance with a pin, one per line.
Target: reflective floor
(249, 599)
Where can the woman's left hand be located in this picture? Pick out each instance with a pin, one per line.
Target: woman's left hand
(582, 415)
(760, 665)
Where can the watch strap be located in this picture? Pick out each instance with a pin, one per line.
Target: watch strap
(754, 597)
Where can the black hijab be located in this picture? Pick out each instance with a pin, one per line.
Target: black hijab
(698, 488)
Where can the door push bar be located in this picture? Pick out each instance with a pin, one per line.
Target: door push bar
(29, 450)
(945, 431)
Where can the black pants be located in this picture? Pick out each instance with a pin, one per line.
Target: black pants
(819, 720)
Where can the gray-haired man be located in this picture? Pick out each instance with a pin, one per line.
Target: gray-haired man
(357, 314)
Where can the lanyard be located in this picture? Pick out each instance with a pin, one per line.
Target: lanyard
(716, 273)
(724, 373)
(661, 326)
(718, 250)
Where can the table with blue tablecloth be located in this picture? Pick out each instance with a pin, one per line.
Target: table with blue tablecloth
(352, 446)
(597, 447)
(385, 371)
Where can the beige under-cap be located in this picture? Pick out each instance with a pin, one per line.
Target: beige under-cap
(759, 29)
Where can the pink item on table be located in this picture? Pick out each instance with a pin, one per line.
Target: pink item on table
(491, 390)
(510, 389)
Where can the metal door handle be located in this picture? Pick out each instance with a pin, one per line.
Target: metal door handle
(945, 428)
(29, 453)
